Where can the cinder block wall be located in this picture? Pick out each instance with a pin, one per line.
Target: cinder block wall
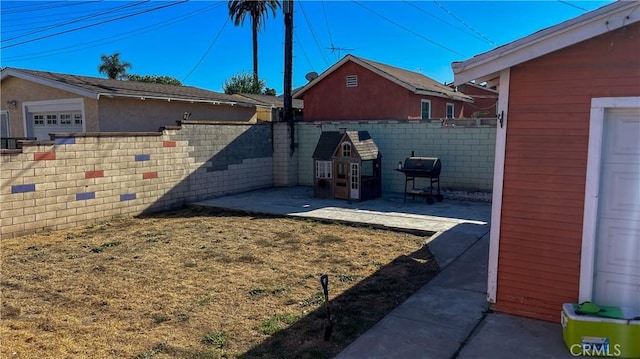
(285, 166)
(79, 180)
(467, 153)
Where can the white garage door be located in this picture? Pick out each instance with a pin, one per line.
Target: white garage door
(617, 267)
(44, 123)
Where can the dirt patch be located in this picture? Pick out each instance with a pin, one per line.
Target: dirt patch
(199, 283)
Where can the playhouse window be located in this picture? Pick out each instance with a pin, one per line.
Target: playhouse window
(323, 169)
(346, 149)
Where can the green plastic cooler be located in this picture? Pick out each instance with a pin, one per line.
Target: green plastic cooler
(611, 332)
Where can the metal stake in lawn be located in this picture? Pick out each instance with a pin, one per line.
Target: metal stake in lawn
(324, 281)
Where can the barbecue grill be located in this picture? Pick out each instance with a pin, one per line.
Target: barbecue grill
(422, 167)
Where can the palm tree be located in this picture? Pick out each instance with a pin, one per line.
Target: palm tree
(258, 10)
(113, 67)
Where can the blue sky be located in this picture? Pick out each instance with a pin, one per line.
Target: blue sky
(194, 42)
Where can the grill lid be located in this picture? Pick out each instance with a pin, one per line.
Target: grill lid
(422, 167)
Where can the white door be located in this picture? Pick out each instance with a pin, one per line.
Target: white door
(355, 181)
(617, 266)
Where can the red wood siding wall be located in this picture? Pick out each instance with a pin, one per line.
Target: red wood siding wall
(545, 167)
(375, 98)
(483, 100)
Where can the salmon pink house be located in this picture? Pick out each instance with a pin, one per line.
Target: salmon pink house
(358, 89)
(565, 224)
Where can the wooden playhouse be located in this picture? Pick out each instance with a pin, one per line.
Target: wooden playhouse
(347, 165)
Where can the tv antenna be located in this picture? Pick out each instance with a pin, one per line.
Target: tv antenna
(335, 49)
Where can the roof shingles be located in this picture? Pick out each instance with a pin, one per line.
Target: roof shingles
(124, 88)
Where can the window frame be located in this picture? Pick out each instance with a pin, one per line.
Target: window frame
(451, 106)
(324, 169)
(6, 122)
(346, 149)
(422, 103)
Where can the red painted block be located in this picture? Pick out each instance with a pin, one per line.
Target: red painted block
(94, 174)
(149, 175)
(44, 156)
(168, 143)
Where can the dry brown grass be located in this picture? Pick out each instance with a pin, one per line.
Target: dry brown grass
(196, 283)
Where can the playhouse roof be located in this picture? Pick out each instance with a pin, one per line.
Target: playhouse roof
(362, 141)
(327, 144)
(330, 140)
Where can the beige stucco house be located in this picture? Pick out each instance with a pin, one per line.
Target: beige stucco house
(37, 103)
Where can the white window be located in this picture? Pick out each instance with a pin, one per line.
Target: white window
(65, 118)
(425, 109)
(77, 118)
(323, 169)
(346, 149)
(38, 119)
(352, 81)
(52, 119)
(4, 124)
(450, 110)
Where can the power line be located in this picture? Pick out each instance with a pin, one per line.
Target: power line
(21, 23)
(74, 21)
(206, 52)
(313, 34)
(326, 21)
(572, 5)
(446, 22)
(39, 6)
(112, 38)
(92, 25)
(464, 23)
(408, 30)
(303, 51)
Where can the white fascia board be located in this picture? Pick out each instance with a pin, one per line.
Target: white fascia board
(50, 83)
(144, 97)
(592, 24)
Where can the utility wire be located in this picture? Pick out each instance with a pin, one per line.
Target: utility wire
(92, 25)
(303, 51)
(206, 52)
(26, 22)
(326, 21)
(313, 34)
(464, 23)
(446, 22)
(408, 30)
(39, 6)
(112, 38)
(572, 5)
(74, 21)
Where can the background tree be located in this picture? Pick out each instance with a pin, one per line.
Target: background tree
(258, 11)
(113, 67)
(244, 83)
(156, 79)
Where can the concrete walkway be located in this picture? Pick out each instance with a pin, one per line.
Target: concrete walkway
(448, 317)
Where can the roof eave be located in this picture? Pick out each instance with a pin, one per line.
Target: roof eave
(50, 83)
(597, 22)
(444, 95)
(165, 98)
